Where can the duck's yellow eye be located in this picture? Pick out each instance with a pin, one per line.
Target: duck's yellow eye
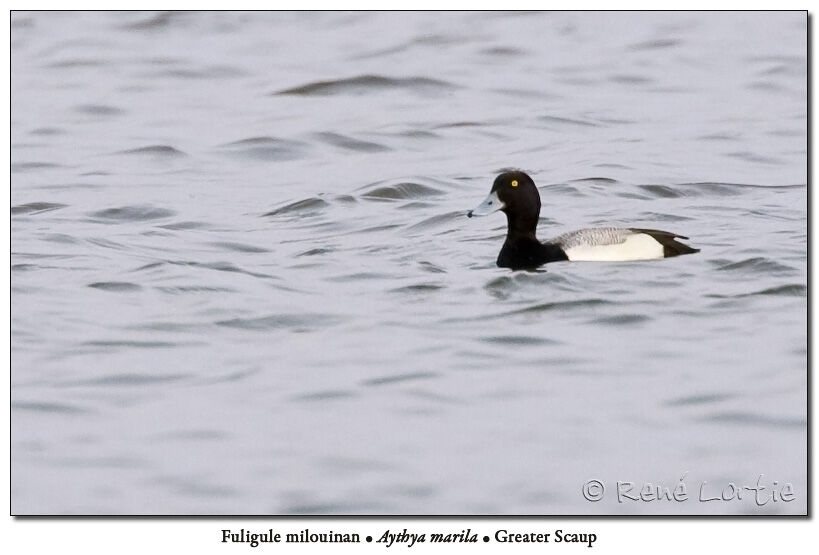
(514, 183)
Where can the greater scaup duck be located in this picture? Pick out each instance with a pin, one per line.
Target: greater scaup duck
(516, 194)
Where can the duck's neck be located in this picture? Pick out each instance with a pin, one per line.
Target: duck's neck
(522, 250)
(518, 229)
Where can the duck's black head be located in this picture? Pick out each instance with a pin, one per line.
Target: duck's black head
(515, 194)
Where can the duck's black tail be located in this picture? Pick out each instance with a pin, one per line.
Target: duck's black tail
(671, 247)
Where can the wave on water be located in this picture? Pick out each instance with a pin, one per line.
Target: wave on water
(754, 266)
(598, 180)
(99, 110)
(662, 191)
(32, 208)
(304, 207)
(239, 247)
(116, 286)
(789, 290)
(348, 143)
(556, 120)
(17, 167)
(130, 379)
(293, 322)
(78, 63)
(436, 220)
(364, 84)
(203, 73)
(185, 225)
(136, 213)
(753, 419)
(165, 151)
(272, 149)
(158, 21)
(47, 407)
(656, 44)
(399, 378)
(401, 191)
(621, 319)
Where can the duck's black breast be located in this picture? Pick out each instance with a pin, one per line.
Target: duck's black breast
(519, 253)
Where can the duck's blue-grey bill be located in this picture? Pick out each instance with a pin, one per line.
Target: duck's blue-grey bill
(491, 204)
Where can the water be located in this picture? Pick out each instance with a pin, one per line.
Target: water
(243, 282)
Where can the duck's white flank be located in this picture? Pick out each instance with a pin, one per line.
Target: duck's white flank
(635, 246)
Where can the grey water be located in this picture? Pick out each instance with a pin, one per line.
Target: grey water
(243, 282)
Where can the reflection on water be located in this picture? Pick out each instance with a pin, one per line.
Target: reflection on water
(243, 282)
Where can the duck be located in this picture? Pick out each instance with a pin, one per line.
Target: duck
(515, 194)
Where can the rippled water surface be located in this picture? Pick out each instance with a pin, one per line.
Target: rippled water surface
(243, 280)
